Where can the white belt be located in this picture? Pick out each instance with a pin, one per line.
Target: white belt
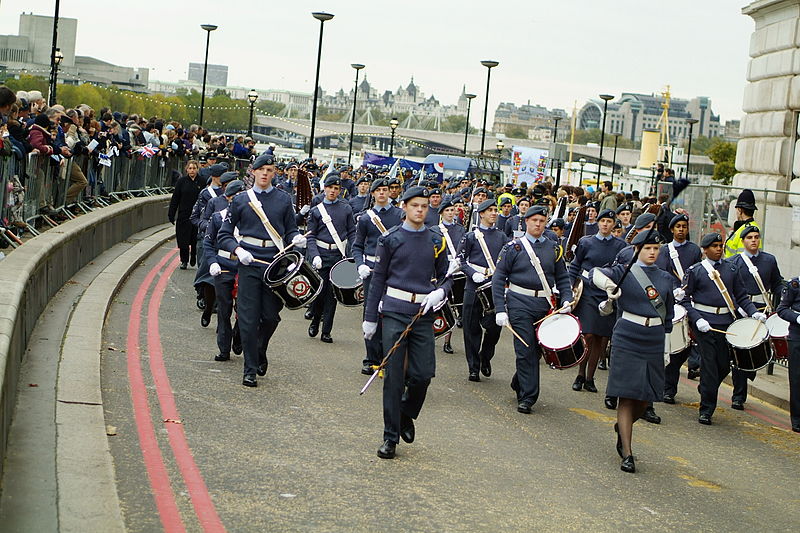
(711, 309)
(585, 274)
(646, 321)
(757, 299)
(527, 292)
(372, 258)
(328, 246)
(406, 296)
(227, 255)
(482, 269)
(255, 241)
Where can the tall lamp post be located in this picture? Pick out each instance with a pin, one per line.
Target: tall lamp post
(614, 159)
(322, 17)
(606, 98)
(58, 57)
(500, 145)
(489, 64)
(469, 98)
(252, 96)
(208, 28)
(53, 51)
(691, 122)
(358, 67)
(393, 124)
(582, 163)
(556, 118)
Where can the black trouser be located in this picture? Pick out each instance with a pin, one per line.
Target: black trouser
(223, 286)
(794, 382)
(186, 235)
(739, 379)
(526, 379)
(715, 357)
(375, 344)
(404, 392)
(672, 372)
(478, 345)
(259, 313)
(323, 308)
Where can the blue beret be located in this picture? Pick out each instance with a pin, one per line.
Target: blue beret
(218, 169)
(227, 177)
(380, 182)
(643, 220)
(436, 191)
(710, 239)
(414, 192)
(447, 202)
(535, 210)
(678, 218)
(480, 190)
(504, 201)
(394, 181)
(486, 204)
(263, 159)
(558, 223)
(607, 213)
(362, 179)
(333, 179)
(234, 187)
(646, 237)
(625, 206)
(749, 228)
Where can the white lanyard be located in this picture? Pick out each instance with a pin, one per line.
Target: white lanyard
(537, 266)
(255, 205)
(210, 190)
(373, 216)
(450, 248)
(673, 253)
(328, 221)
(714, 276)
(485, 249)
(754, 271)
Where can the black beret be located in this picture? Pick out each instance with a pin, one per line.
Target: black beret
(710, 239)
(484, 205)
(362, 179)
(558, 223)
(505, 200)
(218, 169)
(618, 224)
(646, 237)
(436, 191)
(643, 220)
(625, 206)
(535, 210)
(749, 228)
(523, 199)
(394, 181)
(380, 182)
(234, 187)
(263, 159)
(227, 177)
(593, 205)
(606, 213)
(678, 218)
(291, 165)
(333, 179)
(480, 190)
(414, 192)
(447, 202)
(211, 155)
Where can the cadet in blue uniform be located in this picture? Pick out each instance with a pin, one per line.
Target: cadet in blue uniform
(410, 276)
(504, 205)
(789, 310)
(646, 308)
(708, 309)
(348, 185)
(624, 214)
(223, 267)
(202, 281)
(259, 308)
(432, 218)
(331, 226)
(373, 223)
(454, 233)
(515, 226)
(529, 297)
(359, 200)
(595, 250)
(394, 191)
(592, 219)
(770, 275)
(479, 268)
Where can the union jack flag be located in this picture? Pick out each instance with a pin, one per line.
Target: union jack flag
(148, 151)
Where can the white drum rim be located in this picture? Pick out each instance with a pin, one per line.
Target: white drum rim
(549, 322)
(680, 314)
(757, 340)
(781, 323)
(359, 281)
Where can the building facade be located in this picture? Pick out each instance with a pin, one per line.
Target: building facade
(216, 74)
(537, 121)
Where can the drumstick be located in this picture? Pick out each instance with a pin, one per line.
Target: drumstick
(566, 304)
(758, 327)
(286, 248)
(517, 336)
(722, 331)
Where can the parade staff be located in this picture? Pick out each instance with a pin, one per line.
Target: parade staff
(371, 225)
(593, 251)
(789, 310)
(762, 281)
(515, 226)
(454, 233)
(359, 200)
(504, 205)
(223, 267)
(745, 209)
(714, 293)
(479, 251)
(410, 277)
(646, 307)
(332, 232)
(264, 217)
(675, 258)
(529, 266)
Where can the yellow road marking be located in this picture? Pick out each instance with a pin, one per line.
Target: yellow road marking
(593, 415)
(697, 482)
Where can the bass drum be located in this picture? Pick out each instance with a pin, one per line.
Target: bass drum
(444, 320)
(748, 342)
(778, 336)
(348, 288)
(559, 336)
(292, 279)
(679, 339)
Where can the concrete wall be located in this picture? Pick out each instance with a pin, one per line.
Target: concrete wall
(34, 272)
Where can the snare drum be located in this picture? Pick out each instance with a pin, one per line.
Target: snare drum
(444, 320)
(748, 341)
(778, 336)
(559, 336)
(456, 296)
(483, 294)
(293, 279)
(679, 339)
(348, 289)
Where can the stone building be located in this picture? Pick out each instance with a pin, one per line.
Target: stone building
(536, 120)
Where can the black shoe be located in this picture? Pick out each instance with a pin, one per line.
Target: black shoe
(669, 398)
(578, 383)
(524, 407)
(610, 402)
(313, 329)
(602, 365)
(236, 345)
(205, 320)
(367, 370)
(325, 337)
(651, 416)
(307, 315)
(183, 266)
(796, 429)
(693, 373)
(486, 368)
(619, 441)
(589, 385)
(193, 260)
(250, 381)
(201, 302)
(459, 323)
(447, 348)
(262, 369)
(738, 405)
(628, 465)
(222, 357)
(406, 428)
(704, 419)
(387, 450)
(473, 376)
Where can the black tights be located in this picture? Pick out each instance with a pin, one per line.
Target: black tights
(597, 349)
(628, 412)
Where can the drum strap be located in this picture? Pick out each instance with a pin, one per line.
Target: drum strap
(450, 248)
(754, 271)
(673, 254)
(485, 249)
(373, 216)
(328, 221)
(210, 190)
(537, 266)
(650, 291)
(714, 276)
(255, 205)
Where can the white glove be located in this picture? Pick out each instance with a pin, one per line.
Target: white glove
(566, 309)
(454, 265)
(610, 292)
(214, 269)
(703, 326)
(667, 349)
(364, 271)
(501, 319)
(305, 209)
(299, 241)
(369, 329)
(678, 293)
(244, 256)
(432, 300)
(477, 277)
(760, 316)
(316, 262)
(798, 319)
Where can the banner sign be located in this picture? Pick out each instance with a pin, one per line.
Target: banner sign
(528, 164)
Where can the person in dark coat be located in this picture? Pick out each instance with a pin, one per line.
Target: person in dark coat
(183, 199)
(789, 310)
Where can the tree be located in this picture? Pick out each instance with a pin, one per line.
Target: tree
(456, 124)
(723, 154)
(517, 132)
(270, 107)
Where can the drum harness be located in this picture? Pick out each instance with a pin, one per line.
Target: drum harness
(450, 248)
(714, 276)
(673, 254)
(328, 221)
(210, 190)
(754, 271)
(537, 266)
(485, 249)
(255, 205)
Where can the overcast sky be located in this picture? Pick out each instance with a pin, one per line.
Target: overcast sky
(551, 52)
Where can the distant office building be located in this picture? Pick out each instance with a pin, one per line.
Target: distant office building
(730, 132)
(537, 121)
(217, 74)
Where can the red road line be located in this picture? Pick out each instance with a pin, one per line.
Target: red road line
(201, 499)
(151, 453)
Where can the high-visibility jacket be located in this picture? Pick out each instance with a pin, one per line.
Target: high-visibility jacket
(509, 195)
(735, 244)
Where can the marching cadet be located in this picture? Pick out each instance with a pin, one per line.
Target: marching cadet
(394, 191)
(432, 218)
(529, 266)
(332, 232)
(557, 226)
(592, 219)
(264, 217)
(479, 251)
(373, 223)
(675, 258)
(348, 185)
(624, 215)
(212, 190)
(515, 226)
(762, 281)
(745, 209)
(504, 204)
(359, 200)
(714, 292)
(223, 267)
(617, 230)
(453, 233)
(410, 279)
(789, 310)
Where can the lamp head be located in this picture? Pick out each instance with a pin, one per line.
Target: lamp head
(606, 97)
(252, 96)
(58, 57)
(489, 63)
(500, 144)
(209, 27)
(322, 16)
(469, 96)
(357, 66)
(394, 123)
(692, 121)
(581, 161)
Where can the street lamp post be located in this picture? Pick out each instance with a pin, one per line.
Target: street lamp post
(321, 17)
(393, 124)
(489, 64)
(582, 163)
(252, 96)
(691, 122)
(614, 159)
(606, 98)
(53, 51)
(57, 59)
(358, 67)
(500, 145)
(556, 118)
(469, 98)
(208, 28)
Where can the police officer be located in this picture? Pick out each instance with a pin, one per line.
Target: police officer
(409, 280)
(789, 310)
(453, 232)
(529, 297)
(373, 223)
(359, 200)
(479, 251)
(714, 292)
(332, 232)
(261, 239)
(745, 209)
